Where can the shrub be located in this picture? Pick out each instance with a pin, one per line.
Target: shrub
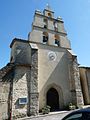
(46, 109)
(72, 107)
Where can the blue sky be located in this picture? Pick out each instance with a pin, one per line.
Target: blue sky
(16, 17)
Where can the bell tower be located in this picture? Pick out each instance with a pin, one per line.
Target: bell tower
(48, 30)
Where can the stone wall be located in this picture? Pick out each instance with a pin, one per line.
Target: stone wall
(20, 52)
(34, 108)
(53, 72)
(85, 81)
(77, 92)
(6, 76)
(74, 80)
(20, 90)
(4, 94)
(88, 80)
(36, 34)
(21, 56)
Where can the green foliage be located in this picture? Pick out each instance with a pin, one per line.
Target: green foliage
(46, 109)
(72, 107)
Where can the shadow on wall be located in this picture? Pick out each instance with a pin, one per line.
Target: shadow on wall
(57, 80)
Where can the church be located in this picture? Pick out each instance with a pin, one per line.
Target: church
(43, 70)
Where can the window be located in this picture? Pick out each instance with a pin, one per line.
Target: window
(45, 37)
(57, 40)
(86, 116)
(22, 101)
(74, 117)
(45, 26)
(45, 23)
(49, 15)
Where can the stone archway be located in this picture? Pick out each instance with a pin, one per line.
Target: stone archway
(58, 90)
(53, 99)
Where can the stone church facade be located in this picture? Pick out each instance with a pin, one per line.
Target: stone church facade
(43, 70)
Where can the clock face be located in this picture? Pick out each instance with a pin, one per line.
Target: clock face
(52, 56)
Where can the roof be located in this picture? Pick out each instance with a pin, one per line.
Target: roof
(33, 45)
(17, 40)
(84, 67)
(72, 53)
(5, 70)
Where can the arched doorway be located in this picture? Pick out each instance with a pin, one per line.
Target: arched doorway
(53, 99)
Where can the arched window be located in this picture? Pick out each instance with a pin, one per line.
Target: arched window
(57, 40)
(49, 15)
(45, 37)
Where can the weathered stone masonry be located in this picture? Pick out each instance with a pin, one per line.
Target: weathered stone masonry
(43, 64)
(78, 98)
(6, 91)
(34, 103)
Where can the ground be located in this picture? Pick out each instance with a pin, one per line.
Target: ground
(50, 116)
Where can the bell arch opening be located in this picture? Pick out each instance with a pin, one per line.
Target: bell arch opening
(52, 99)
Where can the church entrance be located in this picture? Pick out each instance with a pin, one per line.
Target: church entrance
(53, 99)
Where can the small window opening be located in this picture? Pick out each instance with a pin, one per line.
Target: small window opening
(57, 40)
(45, 23)
(45, 26)
(45, 37)
(49, 15)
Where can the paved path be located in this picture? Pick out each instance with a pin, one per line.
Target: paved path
(50, 116)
